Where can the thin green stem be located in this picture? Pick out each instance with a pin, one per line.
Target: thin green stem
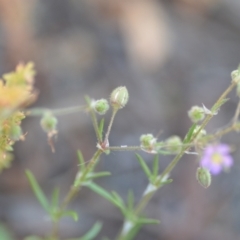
(136, 148)
(221, 132)
(95, 124)
(94, 119)
(55, 231)
(202, 126)
(124, 148)
(76, 187)
(237, 112)
(91, 164)
(114, 112)
(147, 197)
(59, 111)
(143, 203)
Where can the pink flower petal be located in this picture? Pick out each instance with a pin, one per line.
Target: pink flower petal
(228, 161)
(223, 148)
(210, 162)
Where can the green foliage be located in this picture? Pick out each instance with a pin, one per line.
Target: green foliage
(55, 198)
(33, 238)
(144, 166)
(22, 76)
(16, 92)
(189, 134)
(5, 234)
(81, 161)
(71, 214)
(217, 106)
(100, 128)
(93, 232)
(38, 191)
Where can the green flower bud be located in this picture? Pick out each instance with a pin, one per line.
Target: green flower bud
(5, 160)
(204, 177)
(119, 97)
(174, 144)
(148, 143)
(196, 114)
(16, 133)
(236, 74)
(147, 140)
(101, 106)
(49, 122)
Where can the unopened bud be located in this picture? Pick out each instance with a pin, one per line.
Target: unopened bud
(174, 144)
(204, 177)
(236, 75)
(196, 114)
(49, 122)
(119, 97)
(49, 125)
(16, 133)
(148, 143)
(101, 106)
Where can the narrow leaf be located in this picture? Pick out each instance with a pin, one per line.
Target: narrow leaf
(188, 137)
(144, 166)
(81, 160)
(71, 214)
(97, 175)
(93, 232)
(130, 200)
(102, 192)
(118, 198)
(148, 221)
(155, 166)
(38, 191)
(120, 203)
(55, 197)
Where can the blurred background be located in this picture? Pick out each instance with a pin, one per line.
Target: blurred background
(170, 54)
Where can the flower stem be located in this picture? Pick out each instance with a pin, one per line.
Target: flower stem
(93, 118)
(237, 112)
(58, 111)
(55, 231)
(124, 148)
(76, 187)
(202, 126)
(95, 124)
(146, 198)
(110, 125)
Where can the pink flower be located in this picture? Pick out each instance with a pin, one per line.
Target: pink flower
(216, 158)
